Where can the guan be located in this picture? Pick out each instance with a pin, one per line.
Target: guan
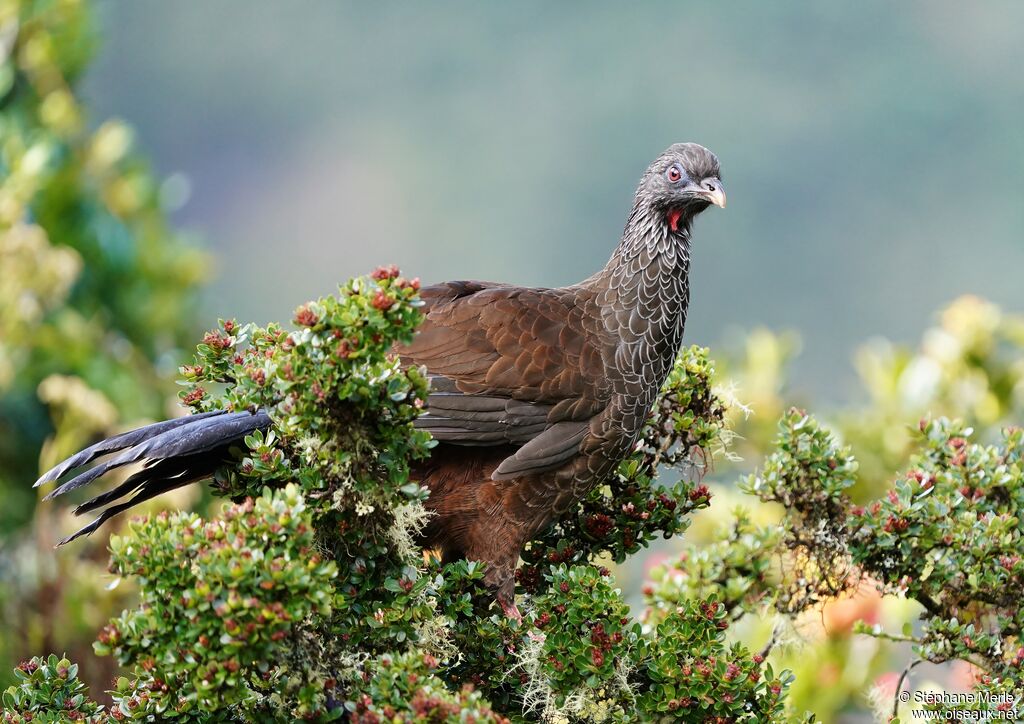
(535, 394)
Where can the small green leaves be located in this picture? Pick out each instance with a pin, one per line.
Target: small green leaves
(949, 534)
(588, 635)
(222, 601)
(406, 688)
(808, 474)
(695, 676)
(740, 569)
(48, 690)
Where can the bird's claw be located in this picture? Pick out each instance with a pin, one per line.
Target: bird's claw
(511, 610)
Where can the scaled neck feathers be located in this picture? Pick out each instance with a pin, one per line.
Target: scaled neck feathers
(644, 292)
(649, 258)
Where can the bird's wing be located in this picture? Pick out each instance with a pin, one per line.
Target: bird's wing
(510, 365)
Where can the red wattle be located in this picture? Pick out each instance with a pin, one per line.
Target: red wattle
(673, 219)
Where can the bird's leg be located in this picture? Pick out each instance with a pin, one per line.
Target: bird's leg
(500, 571)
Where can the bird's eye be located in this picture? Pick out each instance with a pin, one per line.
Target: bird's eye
(674, 173)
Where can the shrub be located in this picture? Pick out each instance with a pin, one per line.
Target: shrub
(223, 605)
(947, 535)
(48, 690)
(294, 603)
(309, 598)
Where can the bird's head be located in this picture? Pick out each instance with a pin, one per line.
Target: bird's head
(682, 182)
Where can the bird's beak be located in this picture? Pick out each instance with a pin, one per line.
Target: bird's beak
(713, 191)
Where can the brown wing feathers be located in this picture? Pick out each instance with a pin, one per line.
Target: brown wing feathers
(506, 367)
(550, 449)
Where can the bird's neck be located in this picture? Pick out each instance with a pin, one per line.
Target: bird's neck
(644, 292)
(651, 265)
(647, 238)
(642, 295)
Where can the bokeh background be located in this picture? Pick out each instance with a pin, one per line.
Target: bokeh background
(872, 155)
(166, 164)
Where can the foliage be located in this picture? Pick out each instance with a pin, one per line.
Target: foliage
(947, 535)
(738, 567)
(694, 676)
(406, 689)
(48, 690)
(602, 666)
(313, 599)
(242, 617)
(968, 366)
(222, 605)
(97, 300)
(808, 475)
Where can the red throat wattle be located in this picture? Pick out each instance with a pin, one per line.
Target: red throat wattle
(673, 219)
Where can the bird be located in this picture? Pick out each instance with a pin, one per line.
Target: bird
(535, 394)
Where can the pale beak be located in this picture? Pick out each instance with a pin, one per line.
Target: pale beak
(712, 190)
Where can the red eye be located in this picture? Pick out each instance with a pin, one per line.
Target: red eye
(674, 174)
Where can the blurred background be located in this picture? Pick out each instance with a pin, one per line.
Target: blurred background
(165, 165)
(872, 158)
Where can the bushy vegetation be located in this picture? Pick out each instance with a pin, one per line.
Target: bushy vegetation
(303, 598)
(925, 543)
(48, 690)
(291, 605)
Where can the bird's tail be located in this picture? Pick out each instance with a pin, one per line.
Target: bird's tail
(173, 453)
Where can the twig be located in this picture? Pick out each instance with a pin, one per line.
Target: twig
(771, 642)
(899, 686)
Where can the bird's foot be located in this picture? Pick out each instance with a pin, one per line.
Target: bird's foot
(511, 610)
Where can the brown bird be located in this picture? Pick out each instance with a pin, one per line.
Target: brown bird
(535, 394)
